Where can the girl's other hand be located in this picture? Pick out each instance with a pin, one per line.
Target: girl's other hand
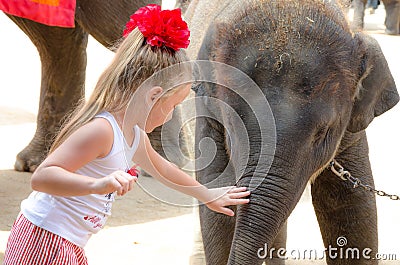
(118, 181)
(226, 196)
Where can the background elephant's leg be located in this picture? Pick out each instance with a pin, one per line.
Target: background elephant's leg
(392, 21)
(63, 56)
(346, 212)
(279, 243)
(346, 4)
(358, 18)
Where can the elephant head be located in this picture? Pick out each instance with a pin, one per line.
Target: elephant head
(323, 84)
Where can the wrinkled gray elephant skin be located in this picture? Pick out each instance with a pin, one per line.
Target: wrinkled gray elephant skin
(324, 85)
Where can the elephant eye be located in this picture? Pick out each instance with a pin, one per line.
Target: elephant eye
(306, 86)
(321, 134)
(305, 82)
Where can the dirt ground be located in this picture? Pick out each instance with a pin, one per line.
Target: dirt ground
(143, 229)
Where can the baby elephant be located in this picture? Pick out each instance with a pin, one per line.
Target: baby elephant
(315, 86)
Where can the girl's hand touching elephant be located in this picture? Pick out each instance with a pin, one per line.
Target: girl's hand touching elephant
(226, 196)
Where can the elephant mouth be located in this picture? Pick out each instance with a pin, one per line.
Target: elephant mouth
(315, 175)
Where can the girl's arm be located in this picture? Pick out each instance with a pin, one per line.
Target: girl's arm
(170, 175)
(55, 174)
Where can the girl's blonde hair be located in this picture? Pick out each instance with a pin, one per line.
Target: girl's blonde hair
(134, 62)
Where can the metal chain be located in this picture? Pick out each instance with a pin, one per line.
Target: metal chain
(339, 171)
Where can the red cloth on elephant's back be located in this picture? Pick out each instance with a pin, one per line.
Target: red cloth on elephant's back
(59, 13)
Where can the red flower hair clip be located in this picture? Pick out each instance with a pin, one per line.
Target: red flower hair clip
(160, 27)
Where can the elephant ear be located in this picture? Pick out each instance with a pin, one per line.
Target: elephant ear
(377, 91)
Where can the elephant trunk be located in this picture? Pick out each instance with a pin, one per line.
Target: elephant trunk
(258, 223)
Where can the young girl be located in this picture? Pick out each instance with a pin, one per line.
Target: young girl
(74, 187)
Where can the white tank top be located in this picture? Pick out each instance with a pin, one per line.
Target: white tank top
(77, 218)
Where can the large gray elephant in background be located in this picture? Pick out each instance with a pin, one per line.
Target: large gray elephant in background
(63, 57)
(392, 20)
(324, 85)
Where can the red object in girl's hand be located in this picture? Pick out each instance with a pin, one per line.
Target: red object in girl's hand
(133, 171)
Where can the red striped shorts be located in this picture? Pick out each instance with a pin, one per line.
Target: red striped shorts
(29, 244)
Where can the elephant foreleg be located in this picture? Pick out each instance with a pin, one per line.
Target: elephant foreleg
(358, 18)
(392, 21)
(63, 56)
(347, 216)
